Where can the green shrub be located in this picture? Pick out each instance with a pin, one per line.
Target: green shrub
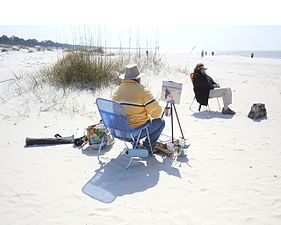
(84, 69)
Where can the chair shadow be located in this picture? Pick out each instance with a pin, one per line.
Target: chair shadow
(91, 151)
(211, 115)
(112, 180)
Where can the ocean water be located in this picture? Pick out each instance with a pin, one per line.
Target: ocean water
(276, 54)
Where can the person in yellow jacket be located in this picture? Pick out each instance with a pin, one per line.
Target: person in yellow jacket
(140, 105)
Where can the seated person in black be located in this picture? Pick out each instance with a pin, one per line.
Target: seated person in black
(205, 87)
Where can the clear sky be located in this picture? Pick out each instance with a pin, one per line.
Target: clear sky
(176, 25)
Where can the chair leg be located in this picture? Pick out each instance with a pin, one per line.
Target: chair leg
(137, 140)
(201, 105)
(148, 137)
(219, 103)
(131, 159)
(192, 103)
(101, 144)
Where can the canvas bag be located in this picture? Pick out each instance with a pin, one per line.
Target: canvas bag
(95, 134)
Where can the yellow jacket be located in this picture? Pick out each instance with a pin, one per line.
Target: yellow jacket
(139, 103)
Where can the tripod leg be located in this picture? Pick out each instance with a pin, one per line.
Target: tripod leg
(173, 105)
(172, 122)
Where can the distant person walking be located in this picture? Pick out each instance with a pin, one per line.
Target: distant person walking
(202, 54)
(252, 55)
(213, 53)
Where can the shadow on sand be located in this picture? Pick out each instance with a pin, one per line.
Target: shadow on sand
(211, 115)
(112, 180)
(93, 151)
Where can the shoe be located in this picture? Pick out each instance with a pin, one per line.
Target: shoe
(154, 150)
(228, 111)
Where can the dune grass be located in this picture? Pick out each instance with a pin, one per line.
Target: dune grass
(94, 69)
(82, 69)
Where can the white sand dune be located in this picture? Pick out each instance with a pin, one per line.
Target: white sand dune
(231, 175)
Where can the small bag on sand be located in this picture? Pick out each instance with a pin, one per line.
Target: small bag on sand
(258, 111)
(98, 132)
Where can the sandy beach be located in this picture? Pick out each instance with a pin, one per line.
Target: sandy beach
(231, 174)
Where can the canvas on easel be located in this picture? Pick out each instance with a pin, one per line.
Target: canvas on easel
(171, 92)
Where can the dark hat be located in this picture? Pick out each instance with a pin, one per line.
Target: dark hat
(199, 66)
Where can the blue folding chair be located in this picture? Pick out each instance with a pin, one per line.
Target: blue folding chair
(114, 118)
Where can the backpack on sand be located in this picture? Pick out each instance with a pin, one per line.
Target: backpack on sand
(258, 111)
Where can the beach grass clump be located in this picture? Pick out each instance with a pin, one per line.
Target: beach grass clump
(83, 69)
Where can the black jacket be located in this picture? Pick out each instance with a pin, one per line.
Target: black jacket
(202, 84)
